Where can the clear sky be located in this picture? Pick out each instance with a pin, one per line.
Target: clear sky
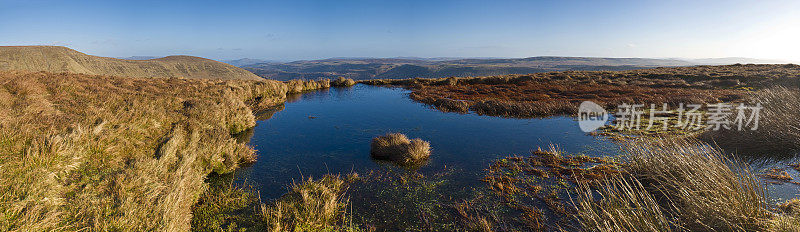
(289, 30)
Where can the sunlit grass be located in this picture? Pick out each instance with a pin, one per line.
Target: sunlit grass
(397, 147)
(82, 152)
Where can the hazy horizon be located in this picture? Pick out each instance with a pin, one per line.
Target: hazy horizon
(309, 30)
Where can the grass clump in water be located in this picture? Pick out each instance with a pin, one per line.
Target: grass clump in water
(312, 205)
(396, 147)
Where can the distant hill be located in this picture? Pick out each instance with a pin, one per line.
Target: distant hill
(247, 61)
(734, 60)
(139, 57)
(411, 67)
(398, 68)
(62, 59)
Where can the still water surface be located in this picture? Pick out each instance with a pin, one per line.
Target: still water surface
(329, 132)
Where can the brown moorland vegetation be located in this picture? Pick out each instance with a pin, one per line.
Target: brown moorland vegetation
(83, 152)
(557, 93)
(660, 184)
(58, 59)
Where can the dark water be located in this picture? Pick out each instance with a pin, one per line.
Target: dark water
(330, 131)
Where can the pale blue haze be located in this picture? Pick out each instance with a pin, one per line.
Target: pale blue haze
(288, 30)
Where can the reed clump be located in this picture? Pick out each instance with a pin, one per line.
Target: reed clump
(396, 147)
(311, 205)
(623, 205)
(778, 129)
(697, 188)
(778, 120)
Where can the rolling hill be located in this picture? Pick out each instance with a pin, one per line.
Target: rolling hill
(61, 59)
(400, 68)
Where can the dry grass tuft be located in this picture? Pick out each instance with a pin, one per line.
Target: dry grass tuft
(398, 148)
(778, 128)
(310, 206)
(778, 123)
(791, 206)
(620, 204)
(789, 219)
(705, 190)
(676, 184)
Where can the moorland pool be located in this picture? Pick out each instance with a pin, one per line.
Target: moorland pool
(329, 132)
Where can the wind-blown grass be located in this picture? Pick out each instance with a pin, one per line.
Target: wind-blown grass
(82, 152)
(623, 205)
(694, 185)
(311, 205)
(778, 126)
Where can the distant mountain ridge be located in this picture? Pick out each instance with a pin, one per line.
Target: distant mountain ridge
(61, 59)
(248, 61)
(411, 67)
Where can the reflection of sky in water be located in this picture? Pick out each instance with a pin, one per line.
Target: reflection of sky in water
(330, 131)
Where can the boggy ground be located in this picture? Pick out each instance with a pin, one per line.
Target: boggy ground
(85, 152)
(559, 93)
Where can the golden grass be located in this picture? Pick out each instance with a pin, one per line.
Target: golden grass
(676, 185)
(299, 86)
(310, 206)
(81, 152)
(789, 218)
(778, 123)
(778, 128)
(620, 204)
(398, 148)
(705, 189)
(343, 82)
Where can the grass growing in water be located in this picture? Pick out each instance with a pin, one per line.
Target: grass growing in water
(695, 186)
(311, 205)
(398, 148)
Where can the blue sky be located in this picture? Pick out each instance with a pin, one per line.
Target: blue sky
(289, 30)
